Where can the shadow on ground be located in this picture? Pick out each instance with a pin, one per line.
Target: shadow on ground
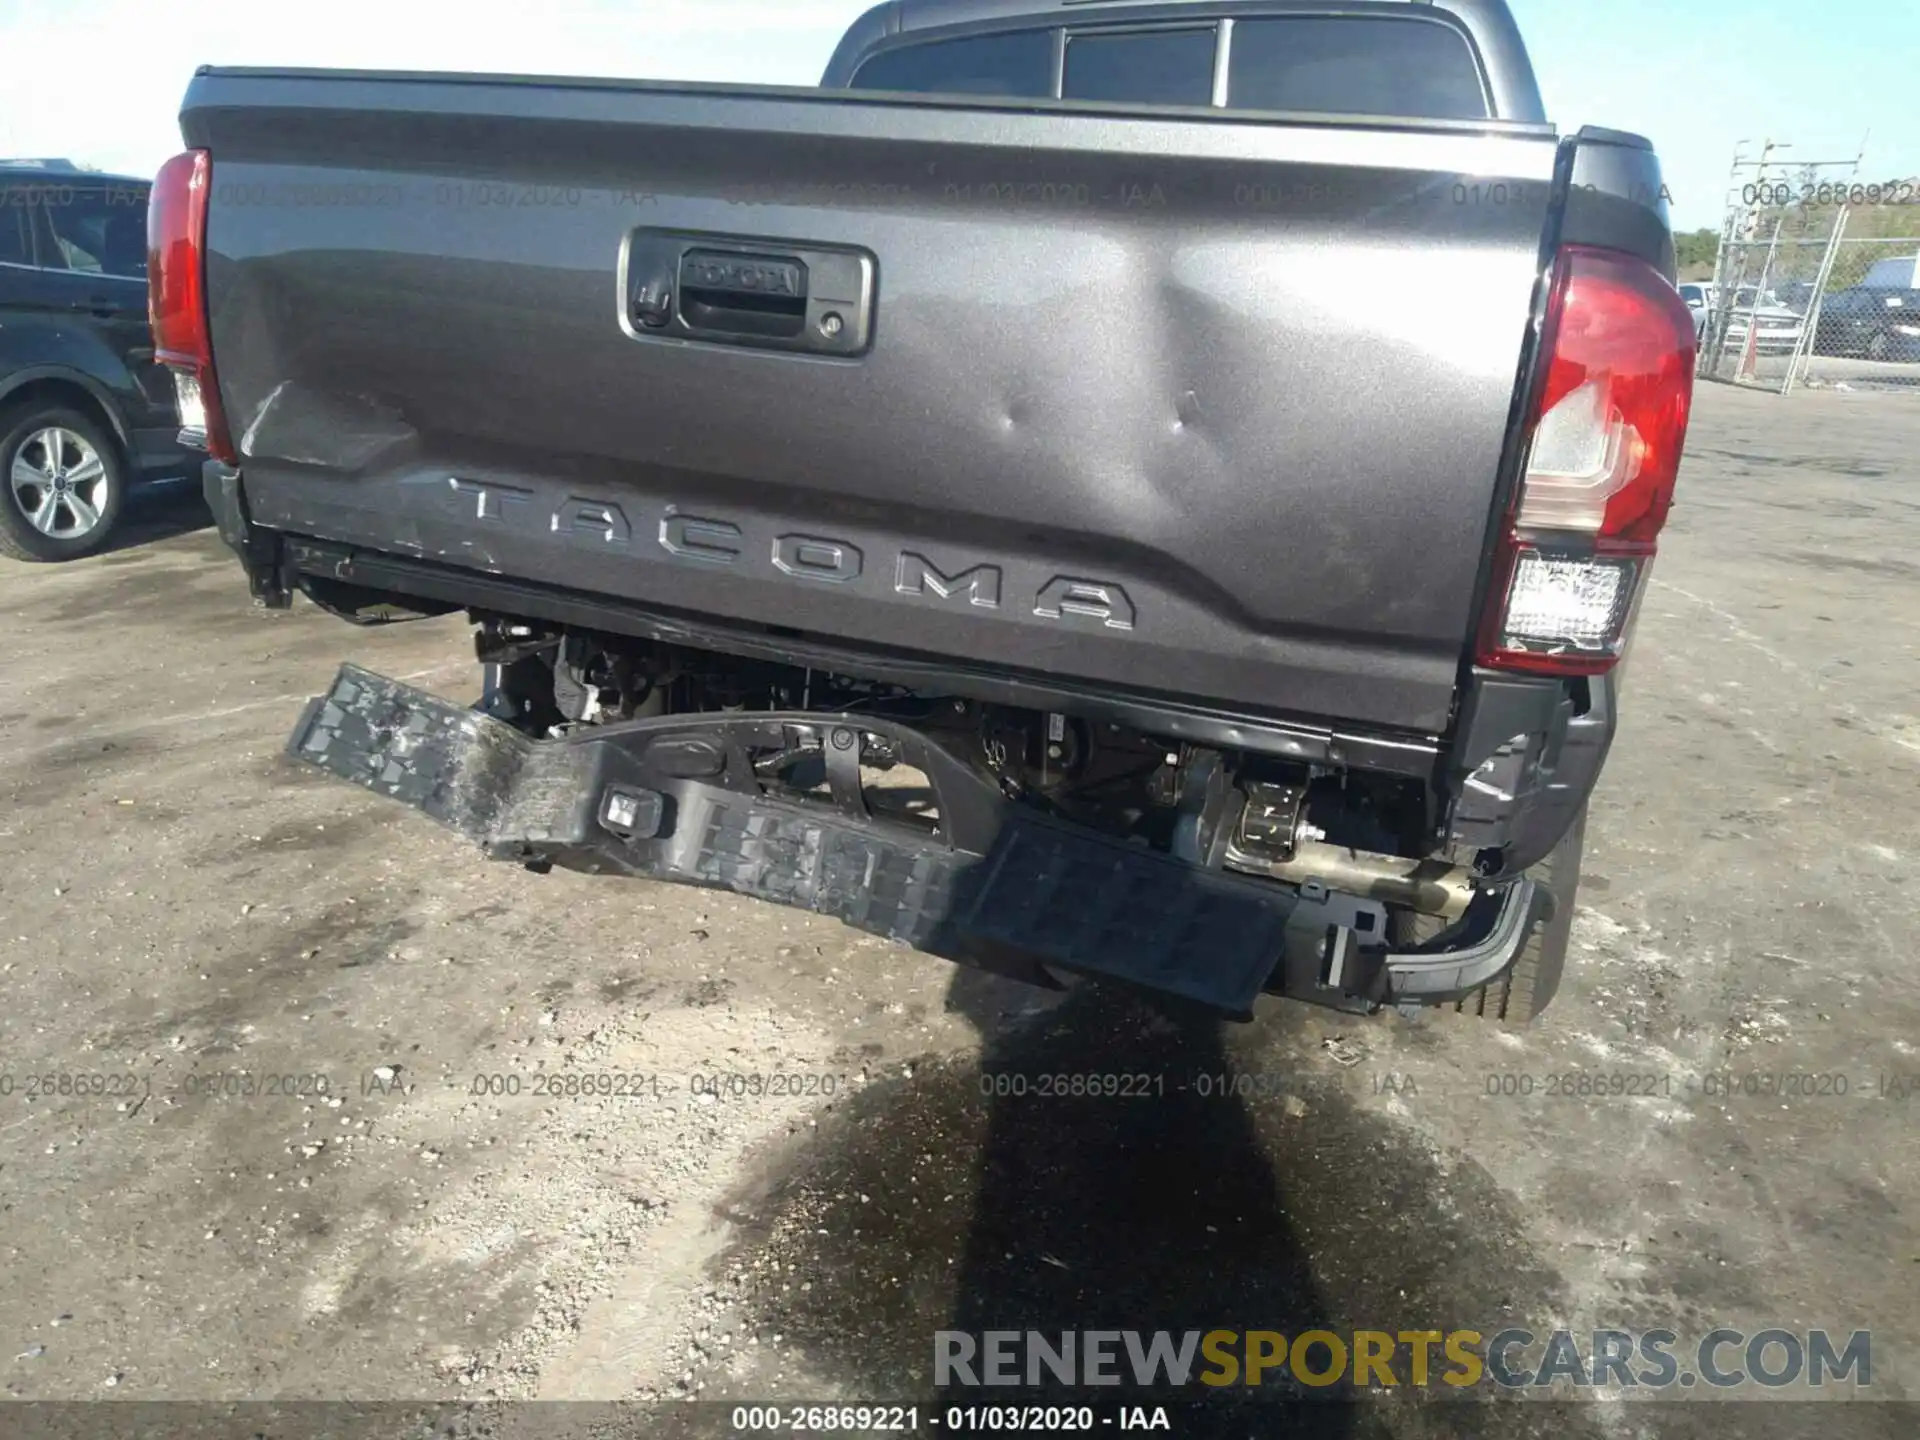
(157, 512)
(940, 1200)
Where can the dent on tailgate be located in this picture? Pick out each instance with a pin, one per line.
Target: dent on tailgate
(1200, 408)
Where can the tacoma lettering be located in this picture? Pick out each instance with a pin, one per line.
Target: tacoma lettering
(917, 575)
(708, 540)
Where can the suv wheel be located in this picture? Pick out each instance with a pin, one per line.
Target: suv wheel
(64, 481)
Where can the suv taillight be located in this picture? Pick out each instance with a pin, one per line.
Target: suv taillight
(177, 298)
(1603, 448)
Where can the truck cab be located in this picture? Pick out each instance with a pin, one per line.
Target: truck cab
(1460, 60)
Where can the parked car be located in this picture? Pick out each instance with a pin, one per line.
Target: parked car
(1895, 272)
(942, 422)
(86, 412)
(1780, 325)
(1695, 295)
(1872, 321)
(1796, 295)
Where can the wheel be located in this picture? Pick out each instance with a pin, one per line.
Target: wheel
(1530, 983)
(1880, 346)
(65, 482)
(1518, 997)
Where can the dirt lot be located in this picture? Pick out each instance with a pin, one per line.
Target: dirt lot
(190, 916)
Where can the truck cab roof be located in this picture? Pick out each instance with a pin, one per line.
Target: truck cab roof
(920, 14)
(1486, 25)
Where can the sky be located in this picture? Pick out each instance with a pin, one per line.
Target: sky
(106, 77)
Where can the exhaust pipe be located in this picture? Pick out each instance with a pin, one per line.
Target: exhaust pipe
(1432, 887)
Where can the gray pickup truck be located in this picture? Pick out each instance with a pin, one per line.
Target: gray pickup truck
(1152, 491)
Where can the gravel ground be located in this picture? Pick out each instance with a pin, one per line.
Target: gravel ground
(482, 1171)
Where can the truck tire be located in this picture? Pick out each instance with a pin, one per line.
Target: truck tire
(1516, 998)
(85, 476)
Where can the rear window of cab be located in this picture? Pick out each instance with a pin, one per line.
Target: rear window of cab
(1407, 67)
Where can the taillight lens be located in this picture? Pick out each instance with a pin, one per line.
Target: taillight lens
(177, 298)
(1603, 450)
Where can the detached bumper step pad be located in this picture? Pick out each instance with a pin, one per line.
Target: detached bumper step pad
(993, 879)
(1113, 909)
(902, 891)
(1054, 894)
(456, 764)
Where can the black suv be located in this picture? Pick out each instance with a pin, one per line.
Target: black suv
(85, 413)
(1879, 322)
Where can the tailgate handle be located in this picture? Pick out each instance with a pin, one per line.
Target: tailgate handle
(752, 291)
(728, 292)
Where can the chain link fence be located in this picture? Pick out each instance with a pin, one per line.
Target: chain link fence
(1815, 295)
(1864, 326)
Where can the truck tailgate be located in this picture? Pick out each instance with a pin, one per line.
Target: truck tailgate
(1155, 403)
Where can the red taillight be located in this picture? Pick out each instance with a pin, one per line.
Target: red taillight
(1603, 448)
(177, 297)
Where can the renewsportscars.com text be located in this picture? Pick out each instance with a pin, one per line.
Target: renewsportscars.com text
(1368, 1359)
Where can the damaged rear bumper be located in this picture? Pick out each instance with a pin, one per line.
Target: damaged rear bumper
(983, 881)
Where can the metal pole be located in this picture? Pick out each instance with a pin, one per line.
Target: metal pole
(1709, 336)
(1751, 351)
(1713, 337)
(1806, 347)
